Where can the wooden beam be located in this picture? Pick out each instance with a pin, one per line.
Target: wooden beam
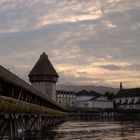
(33, 123)
(13, 92)
(31, 99)
(20, 94)
(0, 87)
(27, 97)
(4, 131)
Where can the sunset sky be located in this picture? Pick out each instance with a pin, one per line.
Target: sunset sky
(89, 42)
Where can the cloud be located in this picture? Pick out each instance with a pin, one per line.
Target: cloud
(112, 67)
(28, 15)
(91, 42)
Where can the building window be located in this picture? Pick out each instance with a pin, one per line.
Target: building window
(138, 101)
(132, 101)
(85, 104)
(126, 102)
(120, 101)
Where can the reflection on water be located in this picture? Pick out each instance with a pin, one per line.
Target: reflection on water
(91, 131)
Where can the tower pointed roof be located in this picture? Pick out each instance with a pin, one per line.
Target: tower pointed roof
(43, 67)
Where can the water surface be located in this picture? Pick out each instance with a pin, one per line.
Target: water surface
(94, 130)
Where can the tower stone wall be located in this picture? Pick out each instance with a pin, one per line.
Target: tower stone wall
(47, 88)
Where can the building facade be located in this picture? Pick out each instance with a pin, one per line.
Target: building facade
(102, 102)
(92, 99)
(128, 99)
(65, 98)
(43, 76)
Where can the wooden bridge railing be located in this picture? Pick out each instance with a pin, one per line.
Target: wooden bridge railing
(10, 105)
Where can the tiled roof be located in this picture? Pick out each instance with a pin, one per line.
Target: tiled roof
(134, 92)
(94, 98)
(90, 93)
(43, 67)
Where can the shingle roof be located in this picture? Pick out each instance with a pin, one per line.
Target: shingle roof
(43, 67)
(134, 92)
(90, 93)
(94, 98)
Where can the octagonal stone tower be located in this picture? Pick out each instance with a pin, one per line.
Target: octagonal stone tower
(44, 77)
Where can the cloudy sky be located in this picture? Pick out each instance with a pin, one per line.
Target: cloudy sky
(91, 42)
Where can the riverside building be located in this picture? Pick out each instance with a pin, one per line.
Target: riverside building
(128, 98)
(65, 98)
(92, 99)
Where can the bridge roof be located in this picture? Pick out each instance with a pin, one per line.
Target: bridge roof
(43, 67)
(15, 80)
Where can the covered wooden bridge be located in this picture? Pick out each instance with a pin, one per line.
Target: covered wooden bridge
(24, 108)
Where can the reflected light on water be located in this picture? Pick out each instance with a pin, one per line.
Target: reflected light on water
(94, 131)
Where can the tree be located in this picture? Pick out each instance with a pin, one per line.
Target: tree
(109, 95)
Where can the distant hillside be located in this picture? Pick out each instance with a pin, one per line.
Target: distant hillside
(100, 89)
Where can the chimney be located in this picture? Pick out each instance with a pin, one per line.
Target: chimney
(121, 87)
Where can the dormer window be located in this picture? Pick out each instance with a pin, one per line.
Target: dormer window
(120, 101)
(138, 101)
(132, 101)
(126, 102)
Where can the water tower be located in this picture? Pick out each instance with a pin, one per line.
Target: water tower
(44, 77)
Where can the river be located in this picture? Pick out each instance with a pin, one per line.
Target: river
(91, 130)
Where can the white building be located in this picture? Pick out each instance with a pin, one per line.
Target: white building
(92, 99)
(102, 102)
(128, 98)
(65, 98)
